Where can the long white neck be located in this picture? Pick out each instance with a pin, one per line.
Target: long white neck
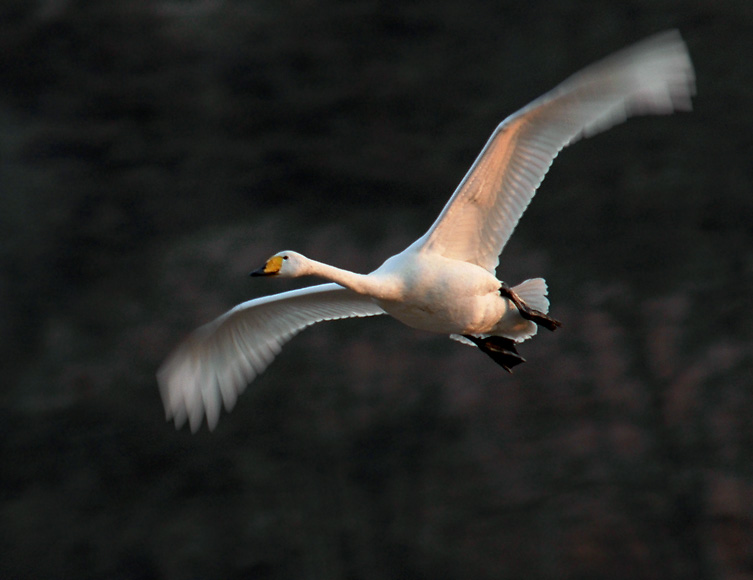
(366, 284)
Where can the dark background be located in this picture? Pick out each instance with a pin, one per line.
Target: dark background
(153, 153)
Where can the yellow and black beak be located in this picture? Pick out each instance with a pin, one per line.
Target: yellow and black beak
(271, 268)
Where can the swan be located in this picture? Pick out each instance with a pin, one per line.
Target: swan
(445, 281)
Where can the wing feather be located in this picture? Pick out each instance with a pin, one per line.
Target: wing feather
(652, 77)
(213, 365)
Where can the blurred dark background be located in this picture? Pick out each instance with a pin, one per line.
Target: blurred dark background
(153, 153)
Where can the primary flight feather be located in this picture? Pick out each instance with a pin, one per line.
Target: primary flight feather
(445, 281)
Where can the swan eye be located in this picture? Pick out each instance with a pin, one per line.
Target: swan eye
(284, 257)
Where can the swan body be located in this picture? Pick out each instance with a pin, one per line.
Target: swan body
(444, 282)
(425, 290)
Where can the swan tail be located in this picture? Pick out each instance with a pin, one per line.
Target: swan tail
(533, 292)
(530, 296)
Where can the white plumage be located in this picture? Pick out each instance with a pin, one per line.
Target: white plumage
(444, 282)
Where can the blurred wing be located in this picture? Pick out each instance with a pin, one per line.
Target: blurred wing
(652, 77)
(214, 364)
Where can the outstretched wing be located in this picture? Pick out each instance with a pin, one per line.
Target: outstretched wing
(214, 364)
(652, 77)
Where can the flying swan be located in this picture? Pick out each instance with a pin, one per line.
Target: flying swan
(445, 281)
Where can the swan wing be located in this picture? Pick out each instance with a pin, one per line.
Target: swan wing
(652, 77)
(215, 363)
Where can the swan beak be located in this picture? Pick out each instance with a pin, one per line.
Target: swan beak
(260, 272)
(271, 268)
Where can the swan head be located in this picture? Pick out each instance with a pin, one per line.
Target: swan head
(285, 264)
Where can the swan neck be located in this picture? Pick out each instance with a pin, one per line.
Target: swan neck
(357, 282)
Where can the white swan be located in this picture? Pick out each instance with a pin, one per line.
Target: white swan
(445, 281)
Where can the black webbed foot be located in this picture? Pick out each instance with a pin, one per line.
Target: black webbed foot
(527, 312)
(501, 350)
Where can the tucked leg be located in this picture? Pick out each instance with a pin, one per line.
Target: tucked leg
(501, 350)
(527, 312)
